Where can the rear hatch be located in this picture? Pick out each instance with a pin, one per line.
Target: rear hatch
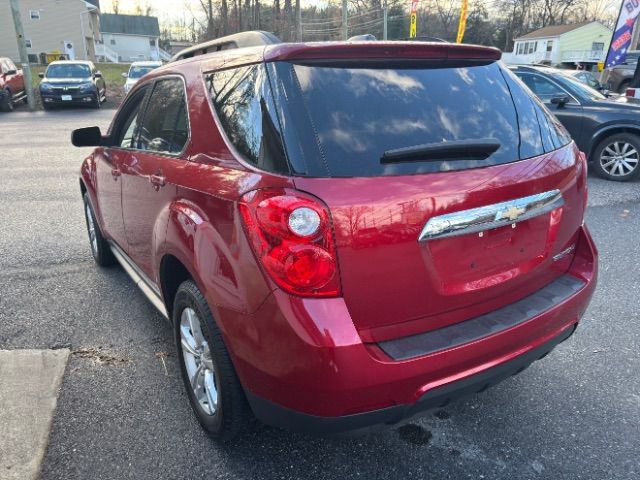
(404, 150)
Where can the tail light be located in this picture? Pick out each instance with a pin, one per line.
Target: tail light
(291, 234)
(630, 92)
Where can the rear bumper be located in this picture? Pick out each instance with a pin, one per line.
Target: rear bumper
(274, 414)
(304, 365)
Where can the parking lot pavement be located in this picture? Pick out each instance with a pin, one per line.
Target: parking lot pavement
(122, 412)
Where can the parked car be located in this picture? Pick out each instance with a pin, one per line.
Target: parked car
(72, 82)
(619, 77)
(136, 71)
(11, 85)
(607, 129)
(243, 191)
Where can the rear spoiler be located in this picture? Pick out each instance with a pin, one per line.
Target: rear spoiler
(380, 50)
(237, 40)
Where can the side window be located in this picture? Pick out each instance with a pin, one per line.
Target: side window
(165, 126)
(244, 104)
(542, 87)
(127, 126)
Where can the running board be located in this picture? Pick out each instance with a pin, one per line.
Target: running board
(139, 279)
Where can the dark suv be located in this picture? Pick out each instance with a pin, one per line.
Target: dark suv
(71, 82)
(606, 128)
(342, 234)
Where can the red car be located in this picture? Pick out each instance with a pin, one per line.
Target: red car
(11, 85)
(243, 190)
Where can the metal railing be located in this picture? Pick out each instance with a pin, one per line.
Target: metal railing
(582, 56)
(105, 53)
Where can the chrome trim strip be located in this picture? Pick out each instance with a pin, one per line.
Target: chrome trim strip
(139, 279)
(492, 216)
(564, 253)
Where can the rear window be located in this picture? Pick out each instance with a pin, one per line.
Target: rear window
(339, 121)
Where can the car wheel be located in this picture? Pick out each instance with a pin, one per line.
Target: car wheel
(99, 246)
(97, 103)
(7, 102)
(213, 388)
(618, 157)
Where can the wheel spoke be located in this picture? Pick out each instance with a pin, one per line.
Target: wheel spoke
(188, 342)
(609, 151)
(196, 379)
(194, 324)
(605, 165)
(628, 166)
(211, 390)
(616, 147)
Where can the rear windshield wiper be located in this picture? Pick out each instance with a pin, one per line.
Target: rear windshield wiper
(478, 149)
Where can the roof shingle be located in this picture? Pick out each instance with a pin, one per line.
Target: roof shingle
(129, 24)
(552, 31)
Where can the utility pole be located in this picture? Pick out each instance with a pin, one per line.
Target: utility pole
(345, 19)
(24, 58)
(385, 14)
(299, 20)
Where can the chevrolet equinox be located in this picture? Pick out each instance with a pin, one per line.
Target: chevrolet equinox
(343, 235)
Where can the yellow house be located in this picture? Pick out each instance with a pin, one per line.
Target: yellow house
(585, 43)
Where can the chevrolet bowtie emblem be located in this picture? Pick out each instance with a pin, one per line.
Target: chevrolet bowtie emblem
(512, 213)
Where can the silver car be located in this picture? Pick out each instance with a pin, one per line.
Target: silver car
(136, 71)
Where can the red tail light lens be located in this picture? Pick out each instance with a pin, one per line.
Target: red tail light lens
(291, 234)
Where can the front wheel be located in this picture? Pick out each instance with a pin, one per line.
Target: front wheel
(618, 157)
(212, 385)
(97, 103)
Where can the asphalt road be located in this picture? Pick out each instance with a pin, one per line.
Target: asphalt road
(122, 412)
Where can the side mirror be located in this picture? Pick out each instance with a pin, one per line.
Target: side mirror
(10, 72)
(41, 74)
(125, 74)
(98, 74)
(86, 137)
(560, 100)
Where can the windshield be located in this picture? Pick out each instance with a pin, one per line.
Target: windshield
(139, 71)
(70, 70)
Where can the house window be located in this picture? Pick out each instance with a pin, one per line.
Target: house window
(112, 41)
(152, 42)
(34, 14)
(27, 43)
(597, 47)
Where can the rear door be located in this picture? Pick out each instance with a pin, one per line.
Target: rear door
(396, 147)
(147, 182)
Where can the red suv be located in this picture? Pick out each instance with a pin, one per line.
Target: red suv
(12, 88)
(343, 235)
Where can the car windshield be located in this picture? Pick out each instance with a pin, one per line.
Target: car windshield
(69, 70)
(582, 89)
(139, 71)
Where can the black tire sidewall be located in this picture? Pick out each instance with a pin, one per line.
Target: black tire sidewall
(618, 137)
(7, 102)
(103, 255)
(187, 297)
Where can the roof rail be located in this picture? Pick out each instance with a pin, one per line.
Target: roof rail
(237, 40)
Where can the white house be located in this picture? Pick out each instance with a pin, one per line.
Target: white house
(585, 43)
(132, 37)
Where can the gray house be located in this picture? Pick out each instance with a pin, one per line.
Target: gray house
(131, 37)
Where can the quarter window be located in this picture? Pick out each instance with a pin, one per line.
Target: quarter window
(244, 104)
(165, 127)
(543, 88)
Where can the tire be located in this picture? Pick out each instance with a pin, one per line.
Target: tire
(218, 399)
(617, 157)
(99, 246)
(97, 104)
(7, 102)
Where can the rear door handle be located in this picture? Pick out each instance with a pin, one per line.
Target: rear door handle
(157, 180)
(115, 173)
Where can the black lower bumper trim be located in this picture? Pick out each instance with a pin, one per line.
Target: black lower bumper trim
(279, 416)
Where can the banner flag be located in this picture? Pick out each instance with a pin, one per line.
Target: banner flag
(463, 21)
(413, 26)
(621, 39)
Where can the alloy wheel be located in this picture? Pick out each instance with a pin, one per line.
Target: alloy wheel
(619, 159)
(198, 361)
(91, 228)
